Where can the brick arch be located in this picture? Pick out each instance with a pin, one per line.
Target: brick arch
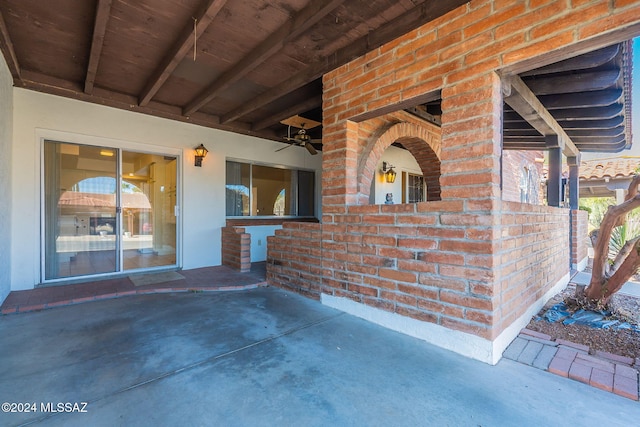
(422, 143)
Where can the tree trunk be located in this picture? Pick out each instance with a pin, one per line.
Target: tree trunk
(605, 280)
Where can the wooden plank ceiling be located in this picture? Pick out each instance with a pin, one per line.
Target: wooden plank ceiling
(588, 97)
(246, 65)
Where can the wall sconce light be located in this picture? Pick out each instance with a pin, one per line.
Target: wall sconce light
(388, 172)
(201, 153)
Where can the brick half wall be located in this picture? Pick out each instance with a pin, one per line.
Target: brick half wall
(533, 260)
(442, 266)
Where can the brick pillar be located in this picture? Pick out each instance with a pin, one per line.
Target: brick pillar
(471, 139)
(236, 248)
(339, 166)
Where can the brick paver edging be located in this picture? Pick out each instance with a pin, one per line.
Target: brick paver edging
(606, 371)
(159, 290)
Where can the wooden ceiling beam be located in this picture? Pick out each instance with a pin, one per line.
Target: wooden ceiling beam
(585, 140)
(573, 114)
(307, 105)
(393, 29)
(103, 11)
(524, 102)
(55, 86)
(524, 146)
(599, 98)
(595, 133)
(182, 46)
(583, 62)
(608, 148)
(569, 125)
(584, 82)
(301, 22)
(607, 112)
(574, 134)
(592, 124)
(6, 47)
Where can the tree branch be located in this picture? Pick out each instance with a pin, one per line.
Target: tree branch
(625, 250)
(604, 235)
(614, 283)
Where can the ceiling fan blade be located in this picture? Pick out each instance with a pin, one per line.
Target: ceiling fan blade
(284, 148)
(310, 148)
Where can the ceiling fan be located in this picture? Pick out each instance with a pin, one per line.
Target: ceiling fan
(300, 138)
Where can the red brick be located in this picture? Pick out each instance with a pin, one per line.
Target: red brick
(466, 300)
(567, 354)
(495, 19)
(582, 347)
(380, 283)
(626, 371)
(626, 387)
(465, 326)
(601, 379)
(401, 276)
(419, 291)
(416, 314)
(417, 243)
(560, 366)
(580, 372)
(535, 334)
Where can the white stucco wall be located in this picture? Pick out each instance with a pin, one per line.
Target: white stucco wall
(39, 115)
(6, 122)
(403, 161)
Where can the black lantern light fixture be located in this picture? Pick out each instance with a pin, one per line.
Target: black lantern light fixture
(388, 172)
(201, 153)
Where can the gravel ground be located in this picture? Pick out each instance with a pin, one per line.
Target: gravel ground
(620, 342)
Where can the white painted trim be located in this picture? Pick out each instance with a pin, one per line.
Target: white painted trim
(459, 342)
(580, 266)
(84, 139)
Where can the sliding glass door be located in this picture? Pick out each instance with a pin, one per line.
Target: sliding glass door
(107, 210)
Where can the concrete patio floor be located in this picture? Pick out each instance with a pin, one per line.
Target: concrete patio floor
(266, 357)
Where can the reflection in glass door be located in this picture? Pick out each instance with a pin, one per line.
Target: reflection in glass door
(148, 210)
(107, 210)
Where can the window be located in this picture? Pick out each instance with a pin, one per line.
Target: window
(259, 190)
(415, 188)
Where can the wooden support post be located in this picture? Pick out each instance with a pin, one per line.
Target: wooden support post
(574, 182)
(554, 182)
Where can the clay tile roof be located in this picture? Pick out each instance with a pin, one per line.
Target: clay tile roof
(609, 168)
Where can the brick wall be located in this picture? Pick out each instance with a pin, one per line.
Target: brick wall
(294, 258)
(449, 263)
(236, 248)
(515, 163)
(579, 236)
(459, 262)
(533, 256)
